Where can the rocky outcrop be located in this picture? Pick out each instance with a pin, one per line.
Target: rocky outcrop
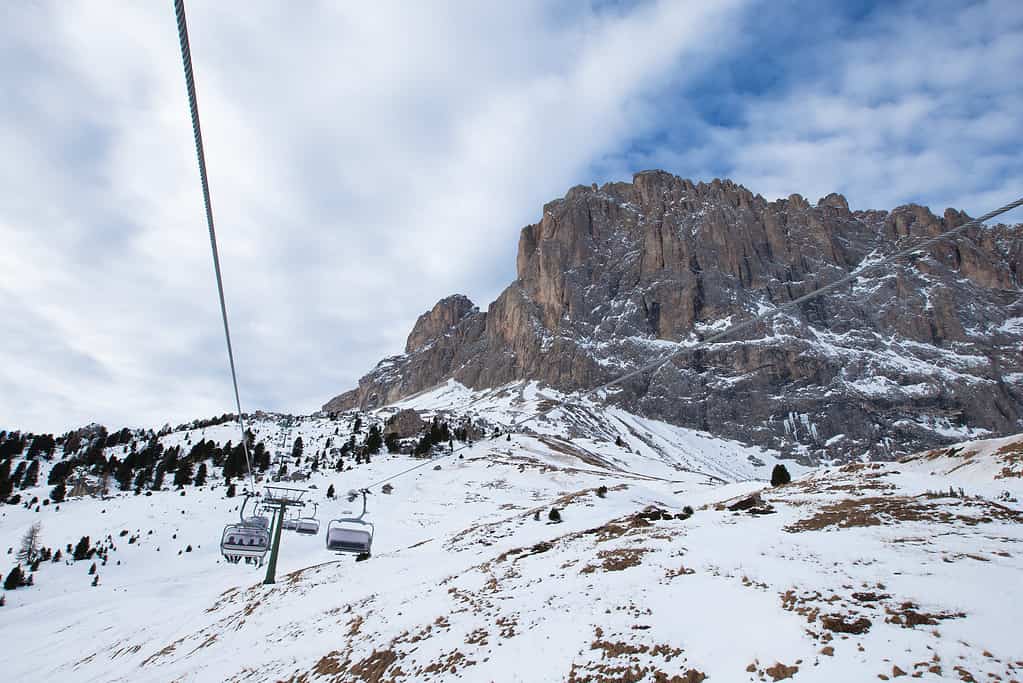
(435, 323)
(404, 424)
(612, 277)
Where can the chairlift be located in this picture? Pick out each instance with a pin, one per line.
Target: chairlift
(248, 540)
(309, 525)
(352, 535)
(290, 523)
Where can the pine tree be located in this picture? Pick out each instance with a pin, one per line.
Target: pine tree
(29, 544)
(15, 579)
(19, 473)
(297, 449)
(392, 443)
(142, 478)
(374, 440)
(58, 493)
(58, 472)
(330, 491)
(230, 491)
(81, 549)
(200, 476)
(158, 478)
(183, 476)
(170, 459)
(780, 475)
(6, 485)
(92, 569)
(357, 425)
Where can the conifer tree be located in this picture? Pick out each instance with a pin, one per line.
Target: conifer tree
(58, 493)
(780, 475)
(142, 478)
(15, 579)
(29, 544)
(6, 485)
(183, 476)
(330, 491)
(158, 478)
(374, 440)
(81, 549)
(200, 475)
(31, 477)
(19, 473)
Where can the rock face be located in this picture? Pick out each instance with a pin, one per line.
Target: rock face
(612, 277)
(404, 424)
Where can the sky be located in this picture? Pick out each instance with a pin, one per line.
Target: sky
(367, 160)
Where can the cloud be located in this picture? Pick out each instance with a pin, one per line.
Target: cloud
(363, 164)
(909, 102)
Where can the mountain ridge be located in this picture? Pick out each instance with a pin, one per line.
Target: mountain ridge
(612, 277)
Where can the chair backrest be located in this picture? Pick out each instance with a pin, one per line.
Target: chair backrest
(244, 538)
(349, 540)
(307, 526)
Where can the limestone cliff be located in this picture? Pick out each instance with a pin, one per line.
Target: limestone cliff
(614, 276)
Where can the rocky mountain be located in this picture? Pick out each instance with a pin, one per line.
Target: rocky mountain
(926, 352)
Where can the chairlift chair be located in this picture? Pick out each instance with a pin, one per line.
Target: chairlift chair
(290, 523)
(352, 535)
(249, 539)
(308, 525)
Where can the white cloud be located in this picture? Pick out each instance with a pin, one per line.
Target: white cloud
(364, 162)
(920, 103)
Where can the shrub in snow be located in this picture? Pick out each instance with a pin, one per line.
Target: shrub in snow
(95, 580)
(780, 475)
(536, 517)
(330, 491)
(92, 569)
(602, 491)
(554, 515)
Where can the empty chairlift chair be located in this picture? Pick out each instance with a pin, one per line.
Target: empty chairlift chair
(290, 523)
(352, 535)
(308, 526)
(248, 540)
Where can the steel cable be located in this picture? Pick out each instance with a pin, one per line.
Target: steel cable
(193, 105)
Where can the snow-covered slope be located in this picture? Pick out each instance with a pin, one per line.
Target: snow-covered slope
(847, 574)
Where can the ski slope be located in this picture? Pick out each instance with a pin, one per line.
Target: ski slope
(464, 583)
